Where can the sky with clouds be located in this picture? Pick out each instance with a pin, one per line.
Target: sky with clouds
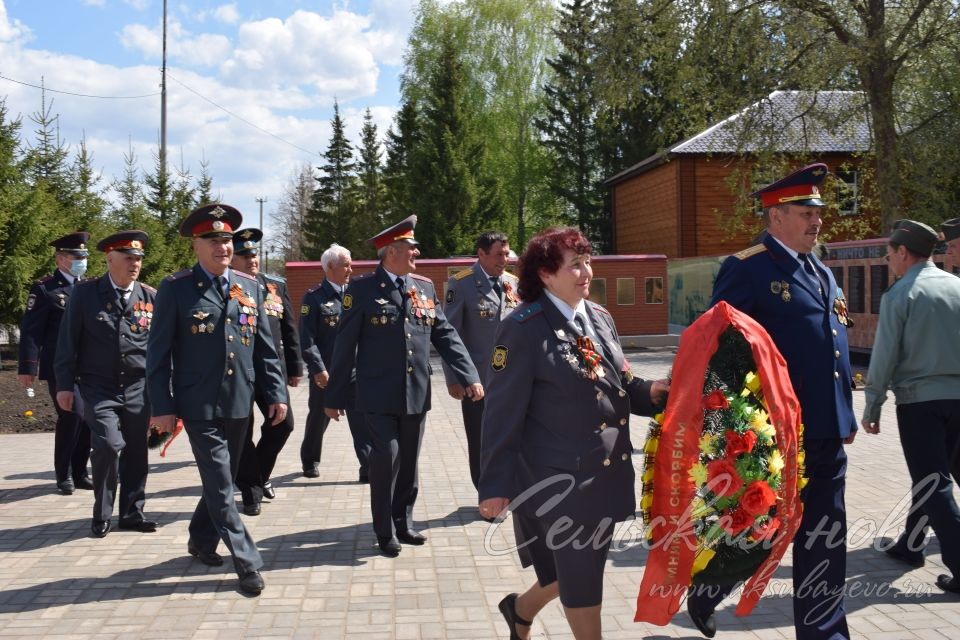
(250, 83)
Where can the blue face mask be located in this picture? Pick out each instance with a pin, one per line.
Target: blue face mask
(78, 268)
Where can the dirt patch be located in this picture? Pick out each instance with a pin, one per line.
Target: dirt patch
(18, 413)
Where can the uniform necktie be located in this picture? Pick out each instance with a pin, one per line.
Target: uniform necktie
(581, 325)
(811, 272)
(399, 282)
(218, 282)
(122, 294)
(495, 283)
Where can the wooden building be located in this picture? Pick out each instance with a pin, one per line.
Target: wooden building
(674, 202)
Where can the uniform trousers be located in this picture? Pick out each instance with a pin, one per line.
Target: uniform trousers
(258, 460)
(394, 486)
(216, 447)
(914, 536)
(118, 424)
(819, 549)
(929, 433)
(472, 421)
(71, 443)
(317, 422)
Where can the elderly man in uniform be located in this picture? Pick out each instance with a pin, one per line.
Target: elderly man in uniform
(319, 318)
(390, 318)
(911, 357)
(477, 300)
(103, 350)
(785, 288)
(258, 460)
(39, 330)
(210, 344)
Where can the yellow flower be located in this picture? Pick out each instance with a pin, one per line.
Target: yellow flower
(702, 559)
(698, 473)
(658, 418)
(650, 446)
(801, 457)
(760, 423)
(708, 444)
(648, 474)
(801, 482)
(751, 384)
(699, 509)
(646, 501)
(28, 413)
(775, 461)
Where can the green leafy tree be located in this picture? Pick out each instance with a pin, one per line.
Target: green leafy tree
(291, 213)
(332, 210)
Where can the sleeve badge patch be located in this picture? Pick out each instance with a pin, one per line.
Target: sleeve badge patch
(450, 296)
(347, 301)
(305, 310)
(499, 360)
(31, 301)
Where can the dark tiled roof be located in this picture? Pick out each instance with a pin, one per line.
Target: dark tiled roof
(801, 122)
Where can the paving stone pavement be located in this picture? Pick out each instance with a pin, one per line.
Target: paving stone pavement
(325, 578)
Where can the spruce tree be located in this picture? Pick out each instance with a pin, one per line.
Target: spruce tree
(369, 190)
(332, 210)
(402, 140)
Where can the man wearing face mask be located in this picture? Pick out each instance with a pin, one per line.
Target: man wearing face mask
(39, 329)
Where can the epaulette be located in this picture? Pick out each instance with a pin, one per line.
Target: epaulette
(84, 283)
(148, 287)
(598, 308)
(507, 274)
(45, 279)
(460, 275)
(179, 274)
(417, 276)
(752, 251)
(244, 275)
(523, 314)
(362, 276)
(313, 289)
(270, 276)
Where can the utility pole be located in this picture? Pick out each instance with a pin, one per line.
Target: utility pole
(163, 95)
(261, 201)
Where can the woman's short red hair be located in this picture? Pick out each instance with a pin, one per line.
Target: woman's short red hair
(545, 252)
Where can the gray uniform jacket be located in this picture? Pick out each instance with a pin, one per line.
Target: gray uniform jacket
(204, 354)
(319, 321)
(475, 311)
(283, 323)
(101, 345)
(544, 419)
(40, 326)
(389, 338)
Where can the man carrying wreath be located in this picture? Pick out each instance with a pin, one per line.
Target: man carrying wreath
(782, 285)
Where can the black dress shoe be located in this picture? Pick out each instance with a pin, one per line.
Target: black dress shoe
(389, 546)
(411, 537)
(268, 491)
(948, 583)
(100, 528)
(508, 607)
(84, 483)
(364, 478)
(311, 473)
(705, 623)
(252, 509)
(65, 486)
(901, 553)
(209, 558)
(252, 583)
(142, 525)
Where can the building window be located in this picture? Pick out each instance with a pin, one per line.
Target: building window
(626, 291)
(878, 284)
(848, 192)
(838, 275)
(598, 291)
(654, 290)
(855, 291)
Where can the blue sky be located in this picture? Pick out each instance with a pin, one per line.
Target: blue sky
(278, 64)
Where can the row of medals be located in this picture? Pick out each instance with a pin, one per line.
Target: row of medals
(273, 306)
(142, 315)
(248, 324)
(422, 308)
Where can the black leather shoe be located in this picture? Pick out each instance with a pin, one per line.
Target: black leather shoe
(252, 509)
(411, 537)
(84, 483)
(508, 607)
(141, 525)
(389, 546)
(948, 583)
(705, 623)
(268, 491)
(311, 473)
(209, 558)
(65, 486)
(100, 528)
(901, 553)
(252, 583)
(364, 478)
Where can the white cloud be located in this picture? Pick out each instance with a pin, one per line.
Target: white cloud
(330, 54)
(227, 13)
(139, 5)
(12, 32)
(206, 49)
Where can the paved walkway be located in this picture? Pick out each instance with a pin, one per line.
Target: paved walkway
(325, 579)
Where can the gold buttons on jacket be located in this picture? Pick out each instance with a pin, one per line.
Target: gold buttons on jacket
(228, 320)
(836, 354)
(603, 425)
(409, 352)
(834, 331)
(230, 355)
(625, 457)
(230, 338)
(836, 375)
(623, 421)
(622, 393)
(229, 372)
(409, 369)
(599, 396)
(606, 462)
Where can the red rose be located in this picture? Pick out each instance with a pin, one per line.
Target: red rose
(766, 530)
(737, 444)
(734, 522)
(722, 478)
(716, 400)
(758, 498)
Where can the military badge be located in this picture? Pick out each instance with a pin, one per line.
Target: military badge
(450, 296)
(31, 301)
(499, 360)
(840, 308)
(305, 310)
(200, 315)
(347, 301)
(511, 298)
(775, 287)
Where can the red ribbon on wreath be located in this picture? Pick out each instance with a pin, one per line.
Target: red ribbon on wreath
(670, 561)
